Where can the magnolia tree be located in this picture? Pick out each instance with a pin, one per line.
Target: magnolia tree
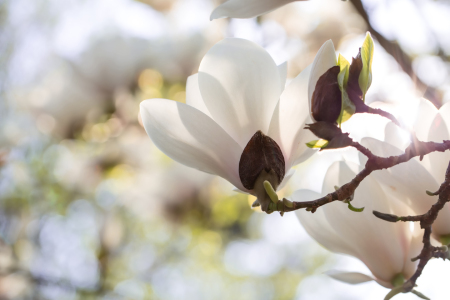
(242, 122)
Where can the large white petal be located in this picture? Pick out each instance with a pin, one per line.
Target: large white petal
(318, 226)
(396, 136)
(193, 95)
(311, 174)
(360, 126)
(286, 179)
(289, 118)
(324, 60)
(444, 111)
(356, 278)
(426, 112)
(240, 85)
(382, 246)
(415, 248)
(437, 133)
(282, 69)
(441, 226)
(425, 115)
(192, 138)
(246, 8)
(439, 130)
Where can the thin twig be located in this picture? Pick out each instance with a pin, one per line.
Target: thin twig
(405, 62)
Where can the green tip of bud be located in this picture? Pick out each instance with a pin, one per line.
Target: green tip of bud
(352, 208)
(336, 187)
(270, 191)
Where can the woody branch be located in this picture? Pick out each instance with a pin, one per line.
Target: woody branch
(374, 163)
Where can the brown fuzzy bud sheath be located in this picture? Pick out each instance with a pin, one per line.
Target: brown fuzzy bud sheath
(326, 99)
(353, 89)
(261, 153)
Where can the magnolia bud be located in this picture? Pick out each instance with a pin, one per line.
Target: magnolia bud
(326, 99)
(262, 153)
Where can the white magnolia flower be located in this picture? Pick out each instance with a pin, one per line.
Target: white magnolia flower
(237, 93)
(413, 178)
(247, 8)
(385, 248)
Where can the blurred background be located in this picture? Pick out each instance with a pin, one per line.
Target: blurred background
(90, 209)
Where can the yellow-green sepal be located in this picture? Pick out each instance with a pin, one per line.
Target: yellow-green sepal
(343, 74)
(347, 106)
(317, 144)
(365, 77)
